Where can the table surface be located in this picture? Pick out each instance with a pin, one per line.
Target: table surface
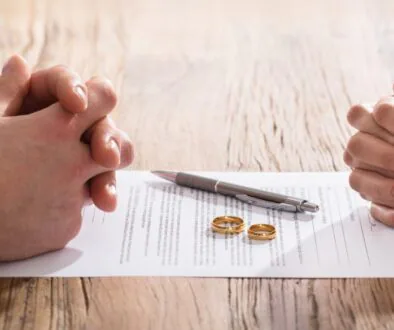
(229, 85)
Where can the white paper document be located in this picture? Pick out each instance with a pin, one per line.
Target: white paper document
(161, 229)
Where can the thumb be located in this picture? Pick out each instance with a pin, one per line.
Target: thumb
(14, 85)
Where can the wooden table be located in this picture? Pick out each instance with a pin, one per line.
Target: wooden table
(228, 85)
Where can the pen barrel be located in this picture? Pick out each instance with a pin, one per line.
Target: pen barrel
(230, 189)
(234, 190)
(195, 182)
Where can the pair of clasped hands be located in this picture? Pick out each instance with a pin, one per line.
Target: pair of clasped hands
(59, 151)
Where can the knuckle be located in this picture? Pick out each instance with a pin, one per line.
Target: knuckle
(62, 74)
(128, 151)
(380, 112)
(386, 217)
(129, 157)
(379, 191)
(355, 144)
(387, 160)
(384, 191)
(60, 68)
(109, 93)
(67, 77)
(354, 114)
(354, 181)
(105, 91)
(347, 158)
(390, 219)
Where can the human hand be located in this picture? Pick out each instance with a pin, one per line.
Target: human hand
(370, 154)
(22, 93)
(43, 170)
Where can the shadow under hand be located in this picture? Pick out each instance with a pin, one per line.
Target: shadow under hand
(357, 247)
(344, 245)
(44, 265)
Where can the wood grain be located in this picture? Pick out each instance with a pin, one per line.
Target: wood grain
(213, 85)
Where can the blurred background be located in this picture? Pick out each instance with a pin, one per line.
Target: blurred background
(219, 81)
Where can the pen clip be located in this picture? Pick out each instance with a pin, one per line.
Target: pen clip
(267, 204)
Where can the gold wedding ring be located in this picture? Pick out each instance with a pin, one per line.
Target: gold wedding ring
(228, 225)
(262, 232)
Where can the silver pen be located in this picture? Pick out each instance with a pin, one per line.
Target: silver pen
(252, 196)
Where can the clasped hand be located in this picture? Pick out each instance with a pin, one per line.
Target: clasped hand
(59, 151)
(370, 155)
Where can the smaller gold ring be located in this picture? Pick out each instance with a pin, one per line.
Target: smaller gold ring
(262, 232)
(219, 224)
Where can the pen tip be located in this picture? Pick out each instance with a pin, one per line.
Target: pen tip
(167, 175)
(310, 207)
(161, 171)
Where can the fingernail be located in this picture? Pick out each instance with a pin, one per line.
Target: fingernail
(82, 95)
(111, 189)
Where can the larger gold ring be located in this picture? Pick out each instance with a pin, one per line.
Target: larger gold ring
(220, 224)
(262, 232)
